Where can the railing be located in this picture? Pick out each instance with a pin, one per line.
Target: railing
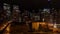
(5, 27)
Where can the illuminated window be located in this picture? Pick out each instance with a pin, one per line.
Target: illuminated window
(20, 19)
(15, 7)
(37, 18)
(49, 0)
(46, 10)
(6, 6)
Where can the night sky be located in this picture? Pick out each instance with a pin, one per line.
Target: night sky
(28, 4)
(55, 4)
(34, 4)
